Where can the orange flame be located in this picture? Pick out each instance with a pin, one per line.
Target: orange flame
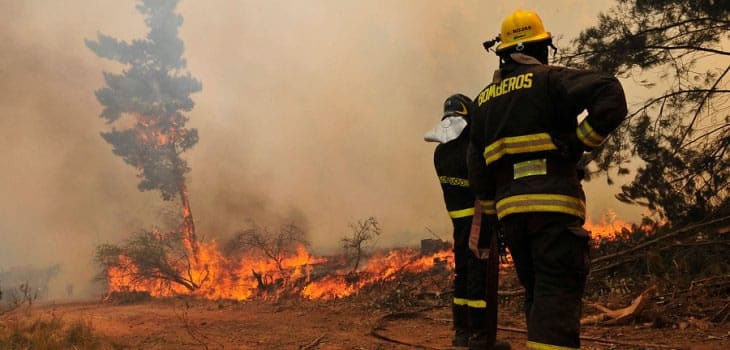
(219, 277)
(608, 227)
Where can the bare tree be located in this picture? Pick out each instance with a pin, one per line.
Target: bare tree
(363, 233)
(152, 256)
(23, 295)
(274, 246)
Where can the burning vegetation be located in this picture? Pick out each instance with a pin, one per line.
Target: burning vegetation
(678, 272)
(154, 91)
(256, 263)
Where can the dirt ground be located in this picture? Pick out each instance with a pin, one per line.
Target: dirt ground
(299, 324)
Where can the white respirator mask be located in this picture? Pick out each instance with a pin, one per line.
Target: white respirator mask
(447, 130)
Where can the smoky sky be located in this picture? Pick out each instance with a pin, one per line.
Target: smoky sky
(311, 111)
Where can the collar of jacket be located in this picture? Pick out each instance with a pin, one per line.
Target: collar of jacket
(520, 58)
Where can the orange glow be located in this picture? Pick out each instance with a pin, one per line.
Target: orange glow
(209, 274)
(379, 268)
(607, 227)
(218, 277)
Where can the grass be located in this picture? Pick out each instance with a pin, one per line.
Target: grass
(51, 333)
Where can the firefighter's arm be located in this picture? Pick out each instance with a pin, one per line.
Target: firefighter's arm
(598, 93)
(477, 171)
(476, 164)
(481, 182)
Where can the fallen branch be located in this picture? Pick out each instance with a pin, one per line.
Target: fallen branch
(313, 343)
(658, 239)
(717, 315)
(614, 317)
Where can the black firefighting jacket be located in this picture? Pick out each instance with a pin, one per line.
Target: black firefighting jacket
(450, 162)
(526, 140)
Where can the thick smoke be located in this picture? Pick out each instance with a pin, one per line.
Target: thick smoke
(312, 112)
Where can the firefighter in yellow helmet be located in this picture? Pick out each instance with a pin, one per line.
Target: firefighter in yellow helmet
(469, 306)
(525, 146)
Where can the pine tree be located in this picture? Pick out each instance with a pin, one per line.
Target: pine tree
(155, 90)
(682, 134)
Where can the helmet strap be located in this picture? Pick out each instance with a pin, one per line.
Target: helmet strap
(555, 49)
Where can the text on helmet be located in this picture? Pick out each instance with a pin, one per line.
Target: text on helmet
(521, 29)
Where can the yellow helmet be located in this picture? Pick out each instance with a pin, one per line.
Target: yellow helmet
(521, 27)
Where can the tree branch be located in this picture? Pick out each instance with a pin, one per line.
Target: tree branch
(677, 24)
(688, 47)
(658, 239)
(671, 94)
(699, 108)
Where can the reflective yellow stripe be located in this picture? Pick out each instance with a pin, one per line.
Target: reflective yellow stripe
(528, 203)
(477, 304)
(533, 345)
(455, 214)
(518, 144)
(588, 136)
(454, 181)
(488, 207)
(530, 168)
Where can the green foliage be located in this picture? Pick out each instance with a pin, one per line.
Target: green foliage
(682, 135)
(156, 91)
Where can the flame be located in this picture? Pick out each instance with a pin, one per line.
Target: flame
(379, 268)
(608, 226)
(246, 277)
(210, 274)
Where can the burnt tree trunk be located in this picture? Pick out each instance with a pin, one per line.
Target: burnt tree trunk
(188, 224)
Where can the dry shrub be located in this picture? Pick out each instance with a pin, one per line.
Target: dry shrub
(51, 333)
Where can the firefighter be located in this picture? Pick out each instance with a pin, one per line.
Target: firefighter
(469, 304)
(525, 145)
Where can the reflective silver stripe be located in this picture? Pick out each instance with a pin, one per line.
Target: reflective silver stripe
(588, 136)
(454, 181)
(530, 168)
(518, 144)
(533, 345)
(529, 203)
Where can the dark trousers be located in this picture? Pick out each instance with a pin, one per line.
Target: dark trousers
(470, 279)
(550, 253)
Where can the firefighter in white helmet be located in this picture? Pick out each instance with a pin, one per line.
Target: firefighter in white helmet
(469, 306)
(525, 146)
